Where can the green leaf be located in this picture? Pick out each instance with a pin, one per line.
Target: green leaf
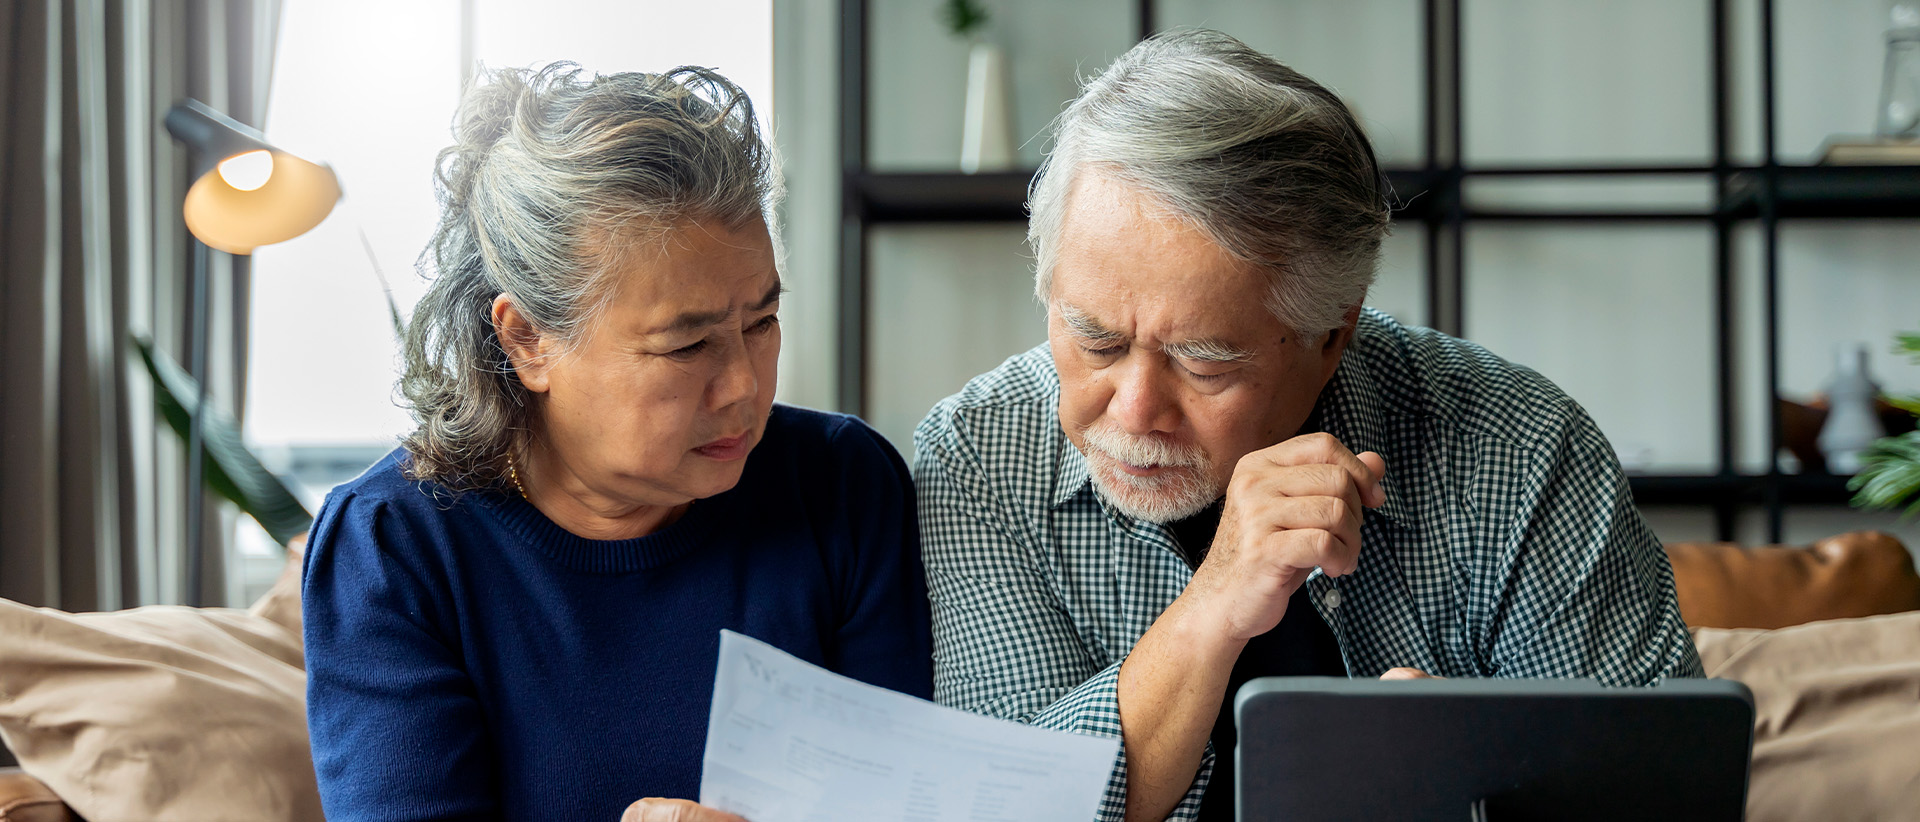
(1890, 469)
(963, 17)
(1889, 475)
(393, 308)
(232, 471)
(1908, 344)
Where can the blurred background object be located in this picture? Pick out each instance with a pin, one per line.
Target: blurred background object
(1852, 423)
(1900, 85)
(1621, 196)
(245, 194)
(1646, 231)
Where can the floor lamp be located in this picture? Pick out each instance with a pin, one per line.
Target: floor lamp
(245, 194)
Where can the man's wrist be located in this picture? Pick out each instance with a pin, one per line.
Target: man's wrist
(1200, 633)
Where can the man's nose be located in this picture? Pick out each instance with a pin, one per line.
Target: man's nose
(1143, 400)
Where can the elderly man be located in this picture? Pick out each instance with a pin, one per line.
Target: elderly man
(1220, 466)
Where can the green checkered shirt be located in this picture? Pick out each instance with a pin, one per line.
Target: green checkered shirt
(1508, 546)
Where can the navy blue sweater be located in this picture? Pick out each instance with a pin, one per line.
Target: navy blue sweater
(468, 658)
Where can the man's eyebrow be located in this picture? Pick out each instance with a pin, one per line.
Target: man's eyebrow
(1207, 351)
(773, 296)
(693, 320)
(1083, 325)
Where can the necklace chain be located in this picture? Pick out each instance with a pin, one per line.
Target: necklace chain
(514, 474)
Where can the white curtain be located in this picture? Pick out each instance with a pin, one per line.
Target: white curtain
(93, 250)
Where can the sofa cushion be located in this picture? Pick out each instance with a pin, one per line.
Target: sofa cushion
(162, 712)
(1837, 715)
(1856, 574)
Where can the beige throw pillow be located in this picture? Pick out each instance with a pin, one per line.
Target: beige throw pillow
(162, 713)
(1837, 730)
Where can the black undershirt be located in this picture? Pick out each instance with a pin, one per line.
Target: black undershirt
(1301, 645)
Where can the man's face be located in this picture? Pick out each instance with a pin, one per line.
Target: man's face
(1171, 366)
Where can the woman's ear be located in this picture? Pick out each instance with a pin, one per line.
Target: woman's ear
(526, 348)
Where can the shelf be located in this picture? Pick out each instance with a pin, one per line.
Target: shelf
(1001, 196)
(1804, 192)
(1793, 489)
(1830, 192)
(921, 197)
(1506, 215)
(1415, 194)
(1603, 170)
(1434, 194)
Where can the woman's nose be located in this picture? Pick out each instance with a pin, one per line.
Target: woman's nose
(736, 382)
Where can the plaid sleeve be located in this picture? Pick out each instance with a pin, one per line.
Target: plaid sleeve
(1589, 590)
(1003, 642)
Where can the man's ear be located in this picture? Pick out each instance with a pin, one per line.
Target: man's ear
(1337, 340)
(526, 348)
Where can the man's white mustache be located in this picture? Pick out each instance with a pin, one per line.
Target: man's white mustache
(1143, 451)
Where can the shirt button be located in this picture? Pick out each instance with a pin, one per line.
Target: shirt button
(1332, 598)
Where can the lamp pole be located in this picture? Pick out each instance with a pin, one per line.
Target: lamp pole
(196, 438)
(277, 198)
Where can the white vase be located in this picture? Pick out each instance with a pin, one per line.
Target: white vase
(987, 142)
(1852, 423)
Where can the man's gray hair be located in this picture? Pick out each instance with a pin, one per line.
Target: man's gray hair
(554, 178)
(1271, 165)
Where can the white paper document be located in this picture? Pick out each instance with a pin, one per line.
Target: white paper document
(790, 742)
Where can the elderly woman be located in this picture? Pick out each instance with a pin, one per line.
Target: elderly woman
(516, 614)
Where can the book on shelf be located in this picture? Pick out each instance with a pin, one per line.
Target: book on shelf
(1870, 151)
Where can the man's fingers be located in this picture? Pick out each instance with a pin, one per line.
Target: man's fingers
(654, 809)
(1304, 549)
(1304, 481)
(1341, 514)
(1305, 532)
(1408, 673)
(1324, 449)
(1373, 496)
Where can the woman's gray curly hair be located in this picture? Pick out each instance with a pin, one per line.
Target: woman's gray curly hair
(554, 174)
(1270, 164)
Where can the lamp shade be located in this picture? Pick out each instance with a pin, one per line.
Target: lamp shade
(246, 193)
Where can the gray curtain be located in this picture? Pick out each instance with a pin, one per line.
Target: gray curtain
(92, 249)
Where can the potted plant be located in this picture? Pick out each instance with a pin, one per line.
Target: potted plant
(986, 142)
(1889, 476)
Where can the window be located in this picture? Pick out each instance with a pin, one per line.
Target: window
(370, 86)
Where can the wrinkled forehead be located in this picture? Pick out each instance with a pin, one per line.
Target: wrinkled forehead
(694, 268)
(1134, 266)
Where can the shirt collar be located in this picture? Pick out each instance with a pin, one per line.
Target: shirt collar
(1070, 476)
(1351, 408)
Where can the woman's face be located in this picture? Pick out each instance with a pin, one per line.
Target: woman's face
(664, 393)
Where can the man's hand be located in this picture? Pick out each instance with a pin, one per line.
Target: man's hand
(1290, 508)
(1408, 673)
(674, 810)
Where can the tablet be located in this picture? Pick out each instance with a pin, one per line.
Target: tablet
(1320, 748)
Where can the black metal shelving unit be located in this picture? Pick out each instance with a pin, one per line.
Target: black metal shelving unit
(1433, 195)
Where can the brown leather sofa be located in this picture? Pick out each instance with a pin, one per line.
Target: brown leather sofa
(1856, 574)
(1720, 585)
(24, 799)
